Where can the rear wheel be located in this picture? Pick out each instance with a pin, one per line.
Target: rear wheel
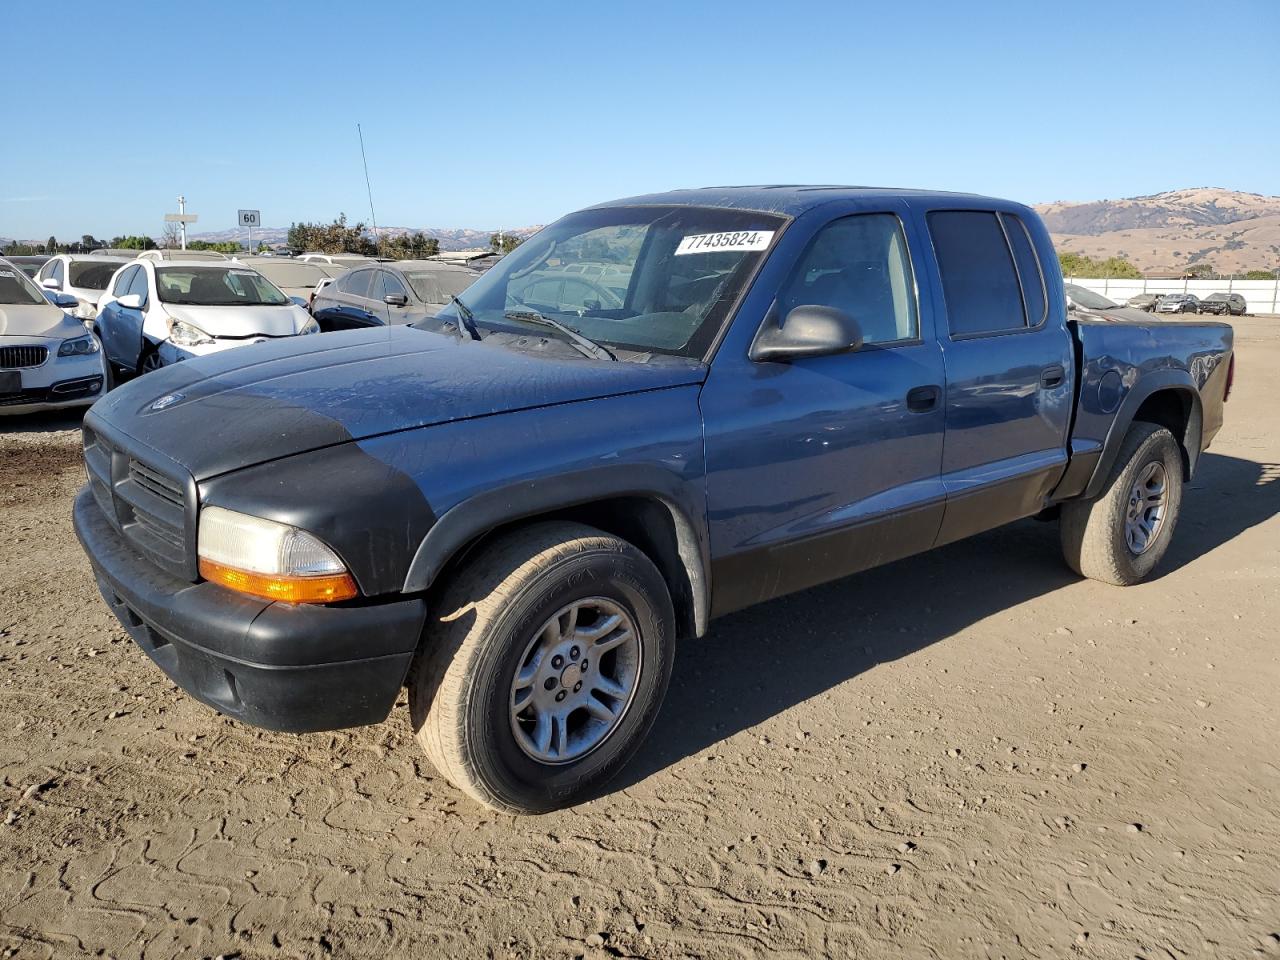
(1119, 536)
(545, 669)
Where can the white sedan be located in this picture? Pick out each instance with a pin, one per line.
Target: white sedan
(159, 312)
(47, 359)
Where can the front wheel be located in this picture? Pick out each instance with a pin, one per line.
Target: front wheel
(1119, 536)
(546, 667)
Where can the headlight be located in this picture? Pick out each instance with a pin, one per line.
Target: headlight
(185, 334)
(311, 327)
(78, 347)
(270, 560)
(85, 310)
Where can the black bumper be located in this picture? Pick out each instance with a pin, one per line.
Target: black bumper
(275, 665)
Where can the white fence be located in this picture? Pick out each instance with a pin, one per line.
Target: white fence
(1263, 296)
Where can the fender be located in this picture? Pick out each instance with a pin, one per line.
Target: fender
(527, 499)
(1148, 385)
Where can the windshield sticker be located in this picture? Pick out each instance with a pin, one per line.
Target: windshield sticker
(725, 242)
(8, 275)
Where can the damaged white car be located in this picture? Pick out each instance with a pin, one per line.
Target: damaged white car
(157, 313)
(47, 359)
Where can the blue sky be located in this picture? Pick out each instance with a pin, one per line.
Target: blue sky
(499, 115)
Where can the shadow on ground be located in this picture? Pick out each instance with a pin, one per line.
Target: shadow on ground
(760, 662)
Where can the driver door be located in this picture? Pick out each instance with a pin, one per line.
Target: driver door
(822, 466)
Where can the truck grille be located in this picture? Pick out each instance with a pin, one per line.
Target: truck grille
(148, 502)
(13, 358)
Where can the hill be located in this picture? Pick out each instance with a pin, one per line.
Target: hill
(1169, 232)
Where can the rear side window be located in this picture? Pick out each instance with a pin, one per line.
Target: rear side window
(357, 282)
(1029, 273)
(979, 281)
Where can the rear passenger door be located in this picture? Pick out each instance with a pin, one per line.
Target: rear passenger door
(1009, 368)
(351, 308)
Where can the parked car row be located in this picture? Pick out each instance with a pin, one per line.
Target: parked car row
(1221, 304)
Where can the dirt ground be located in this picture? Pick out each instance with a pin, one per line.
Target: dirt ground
(967, 754)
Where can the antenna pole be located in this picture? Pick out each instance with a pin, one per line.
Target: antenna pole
(368, 187)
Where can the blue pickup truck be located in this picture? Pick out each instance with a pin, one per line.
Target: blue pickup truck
(653, 412)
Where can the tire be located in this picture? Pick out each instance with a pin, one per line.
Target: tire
(502, 605)
(150, 359)
(1094, 539)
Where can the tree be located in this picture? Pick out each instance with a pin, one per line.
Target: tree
(1079, 265)
(223, 246)
(504, 242)
(1261, 275)
(171, 236)
(336, 237)
(1200, 271)
(51, 245)
(409, 246)
(133, 243)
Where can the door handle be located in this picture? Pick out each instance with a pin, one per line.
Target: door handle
(1053, 376)
(923, 399)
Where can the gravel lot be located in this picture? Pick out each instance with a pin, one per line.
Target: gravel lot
(966, 754)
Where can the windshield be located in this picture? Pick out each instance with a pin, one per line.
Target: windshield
(15, 288)
(1084, 297)
(92, 275)
(436, 286)
(650, 279)
(289, 274)
(1218, 296)
(217, 287)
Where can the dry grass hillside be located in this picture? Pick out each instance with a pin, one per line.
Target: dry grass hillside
(1232, 231)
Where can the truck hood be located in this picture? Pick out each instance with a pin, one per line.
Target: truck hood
(37, 320)
(282, 321)
(257, 403)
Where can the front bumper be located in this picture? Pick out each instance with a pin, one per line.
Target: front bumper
(275, 665)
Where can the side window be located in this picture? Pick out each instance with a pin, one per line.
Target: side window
(356, 283)
(860, 265)
(391, 285)
(138, 284)
(121, 286)
(1029, 273)
(979, 281)
(57, 271)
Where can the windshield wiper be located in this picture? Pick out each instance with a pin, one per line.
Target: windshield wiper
(584, 344)
(466, 316)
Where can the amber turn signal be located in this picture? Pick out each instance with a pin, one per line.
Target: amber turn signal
(326, 588)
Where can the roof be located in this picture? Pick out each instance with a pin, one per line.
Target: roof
(439, 266)
(788, 199)
(196, 262)
(445, 256)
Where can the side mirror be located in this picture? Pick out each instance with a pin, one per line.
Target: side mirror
(396, 299)
(65, 300)
(130, 301)
(300, 301)
(49, 283)
(808, 331)
(1071, 305)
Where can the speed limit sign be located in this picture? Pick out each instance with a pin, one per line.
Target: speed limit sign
(250, 218)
